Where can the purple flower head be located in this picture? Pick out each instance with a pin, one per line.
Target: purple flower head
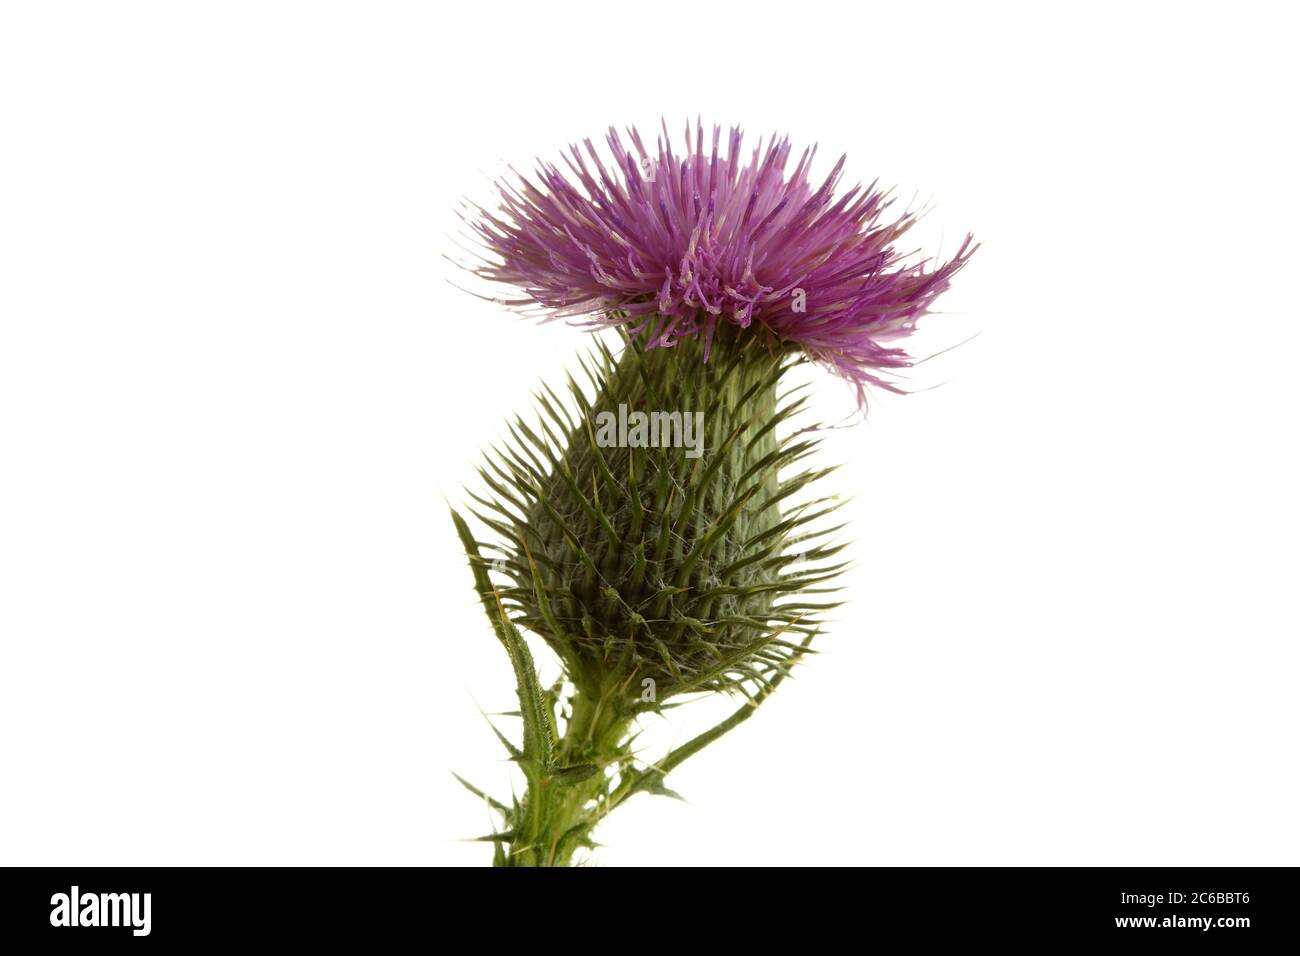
(672, 244)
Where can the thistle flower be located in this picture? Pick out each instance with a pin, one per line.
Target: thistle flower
(650, 572)
(675, 245)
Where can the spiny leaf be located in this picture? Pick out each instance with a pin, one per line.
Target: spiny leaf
(538, 745)
(661, 768)
(493, 803)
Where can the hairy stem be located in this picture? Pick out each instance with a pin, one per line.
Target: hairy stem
(560, 810)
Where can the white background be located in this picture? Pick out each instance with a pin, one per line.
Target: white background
(236, 384)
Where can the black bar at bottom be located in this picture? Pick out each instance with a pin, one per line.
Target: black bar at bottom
(1231, 907)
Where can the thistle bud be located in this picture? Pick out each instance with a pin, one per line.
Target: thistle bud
(635, 558)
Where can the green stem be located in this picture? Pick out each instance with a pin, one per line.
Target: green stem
(562, 808)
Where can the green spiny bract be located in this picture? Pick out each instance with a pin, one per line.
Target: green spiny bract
(645, 562)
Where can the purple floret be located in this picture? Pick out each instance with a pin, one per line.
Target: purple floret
(671, 244)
